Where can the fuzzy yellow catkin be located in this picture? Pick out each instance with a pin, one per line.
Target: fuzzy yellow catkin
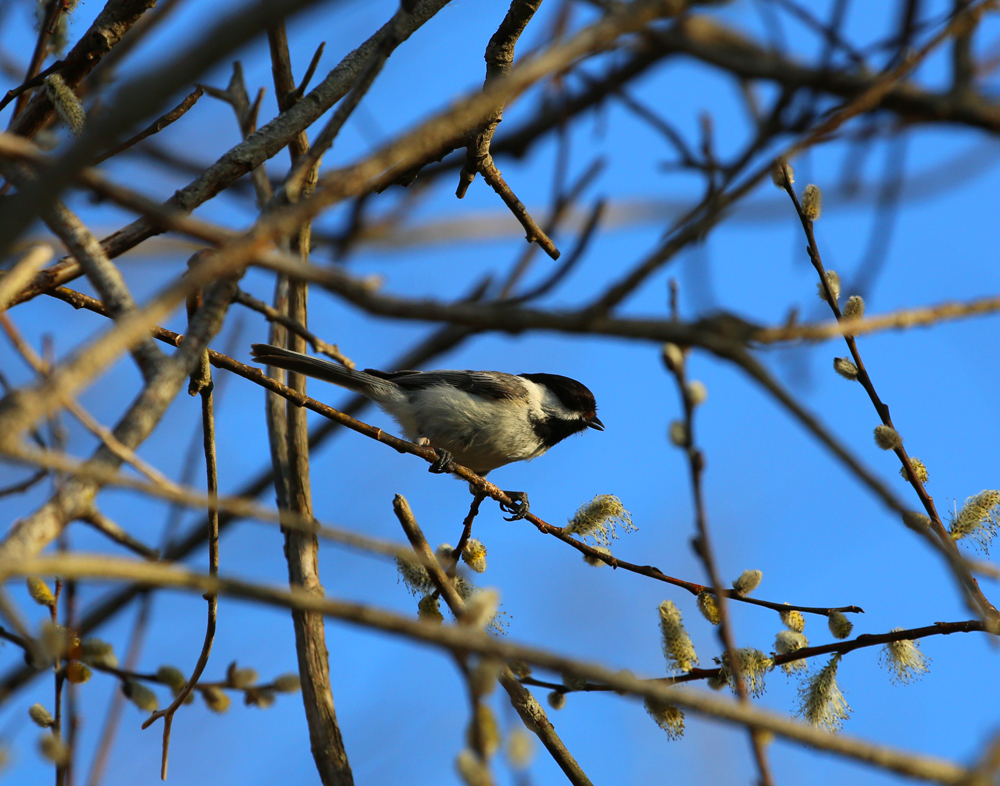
(887, 438)
(793, 619)
(833, 282)
(287, 683)
(678, 433)
(60, 31)
(854, 308)
(78, 673)
(673, 357)
(483, 678)
(41, 716)
(472, 770)
(978, 517)
(697, 392)
(846, 368)
(465, 588)
(812, 202)
(919, 469)
(677, 646)
(55, 640)
(788, 641)
(489, 730)
(262, 698)
(175, 679)
(667, 717)
(216, 699)
(67, 105)
(172, 677)
(481, 608)
(822, 703)
(54, 749)
(474, 555)
(141, 696)
(748, 581)
(429, 610)
(840, 626)
(782, 173)
(918, 522)
(240, 678)
(520, 749)
(904, 660)
(753, 665)
(598, 519)
(40, 592)
(708, 607)
(99, 653)
(415, 577)
(596, 561)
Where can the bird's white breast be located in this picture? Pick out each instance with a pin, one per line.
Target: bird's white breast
(480, 433)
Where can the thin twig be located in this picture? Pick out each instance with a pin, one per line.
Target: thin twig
(703, 548)
(300, 89)
(570, 261)
(945, 544)
(107, 527)
(564, 203)
(155, 127)
(24, 485)
(208, 427)
(499, 61)
(309, 159)
(534, 233)
(838, 647)
(477, 500)
(53, 11)
(273, 315)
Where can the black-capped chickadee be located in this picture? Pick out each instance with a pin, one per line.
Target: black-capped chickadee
(481, 419)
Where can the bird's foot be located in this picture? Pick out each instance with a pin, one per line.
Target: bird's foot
(519, 507)
(443, 463)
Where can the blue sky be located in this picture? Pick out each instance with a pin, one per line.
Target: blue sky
(776, 500)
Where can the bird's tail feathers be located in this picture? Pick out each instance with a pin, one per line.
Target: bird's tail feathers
(326, 370)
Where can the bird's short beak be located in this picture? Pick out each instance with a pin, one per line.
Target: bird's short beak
(594, 423)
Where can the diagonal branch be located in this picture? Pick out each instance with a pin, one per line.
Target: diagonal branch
(528, 708)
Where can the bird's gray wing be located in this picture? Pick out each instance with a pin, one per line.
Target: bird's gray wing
(487, 384)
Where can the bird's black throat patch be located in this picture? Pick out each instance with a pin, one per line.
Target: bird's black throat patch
(573, 395)
(552, 431)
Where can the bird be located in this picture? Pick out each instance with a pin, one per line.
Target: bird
(480, 419)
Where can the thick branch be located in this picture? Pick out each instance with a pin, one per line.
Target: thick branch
(464, 638)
